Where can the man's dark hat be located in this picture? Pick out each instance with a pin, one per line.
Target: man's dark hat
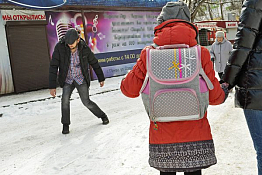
(71, 36)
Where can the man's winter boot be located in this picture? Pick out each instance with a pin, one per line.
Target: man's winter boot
(105, 120)
(65, 129)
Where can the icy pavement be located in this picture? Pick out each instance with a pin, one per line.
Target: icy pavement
(31, 142)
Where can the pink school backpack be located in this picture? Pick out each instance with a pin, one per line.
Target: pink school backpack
(176, 86)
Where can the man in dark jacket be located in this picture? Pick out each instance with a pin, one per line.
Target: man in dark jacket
(244, 70)
(72, 57)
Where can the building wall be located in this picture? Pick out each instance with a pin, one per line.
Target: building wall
(6, 81)
(231, 34)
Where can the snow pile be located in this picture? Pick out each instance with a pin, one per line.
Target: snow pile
(31, 142)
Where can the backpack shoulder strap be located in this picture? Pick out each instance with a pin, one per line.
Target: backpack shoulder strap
(202, 72)
(154, 45)
(207, 80)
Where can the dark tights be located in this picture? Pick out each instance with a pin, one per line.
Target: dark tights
(186, 173)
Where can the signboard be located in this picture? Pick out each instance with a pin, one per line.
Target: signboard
(116, 37)
(22, 15)
(39, 4)
(206, 25)
(231, 24)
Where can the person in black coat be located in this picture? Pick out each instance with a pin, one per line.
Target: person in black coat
(72, 58)
(244, 71)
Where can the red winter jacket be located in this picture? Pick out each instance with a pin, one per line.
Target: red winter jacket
(182, 131)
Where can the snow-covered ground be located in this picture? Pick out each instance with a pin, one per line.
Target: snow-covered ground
(31, 142)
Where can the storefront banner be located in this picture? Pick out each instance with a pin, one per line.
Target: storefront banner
(22, 15)
(39, 4)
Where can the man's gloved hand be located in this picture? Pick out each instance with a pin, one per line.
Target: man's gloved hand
(224, 86)
(212, 59)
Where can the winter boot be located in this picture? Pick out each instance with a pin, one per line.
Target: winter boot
(65, 129)
(105, 120)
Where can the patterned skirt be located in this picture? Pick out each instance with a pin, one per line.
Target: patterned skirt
(182, 157)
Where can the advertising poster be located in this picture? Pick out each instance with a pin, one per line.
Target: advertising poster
(116, 37)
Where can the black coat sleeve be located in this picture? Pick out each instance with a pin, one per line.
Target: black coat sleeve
(53, 68)
(248, 29)
(95, 65)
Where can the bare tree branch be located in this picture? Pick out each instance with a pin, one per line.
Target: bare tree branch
(216, 9)
(197, 5)
(210, 11)
(221, 10)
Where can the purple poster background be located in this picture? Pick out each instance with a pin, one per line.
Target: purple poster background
(59, 23)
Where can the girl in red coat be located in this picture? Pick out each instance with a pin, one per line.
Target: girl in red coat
(181, 146)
